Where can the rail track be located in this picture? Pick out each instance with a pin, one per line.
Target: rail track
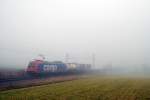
(27, 80)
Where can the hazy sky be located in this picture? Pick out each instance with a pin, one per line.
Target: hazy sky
(117, 31)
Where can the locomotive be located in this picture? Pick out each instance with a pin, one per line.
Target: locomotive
(43, 67)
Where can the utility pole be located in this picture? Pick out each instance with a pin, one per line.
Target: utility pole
(66, 57)
(93, 60)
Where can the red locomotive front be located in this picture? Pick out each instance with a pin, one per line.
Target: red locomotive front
(33, 66)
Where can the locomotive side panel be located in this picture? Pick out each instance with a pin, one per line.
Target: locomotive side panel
(61, 67)
(49, 68)
(52, 68)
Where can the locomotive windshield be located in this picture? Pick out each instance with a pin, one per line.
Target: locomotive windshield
(30, 64)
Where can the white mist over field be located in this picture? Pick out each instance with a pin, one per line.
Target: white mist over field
(116, 31)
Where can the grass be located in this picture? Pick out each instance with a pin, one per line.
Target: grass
(91, 88)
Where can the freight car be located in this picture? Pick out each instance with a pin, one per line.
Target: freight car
(43, 67)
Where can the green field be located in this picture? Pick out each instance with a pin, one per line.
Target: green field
(90, 88)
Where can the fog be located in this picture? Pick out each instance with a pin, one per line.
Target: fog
(116, 31)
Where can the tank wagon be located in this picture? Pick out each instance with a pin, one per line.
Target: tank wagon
(40, 66)
(78, 67)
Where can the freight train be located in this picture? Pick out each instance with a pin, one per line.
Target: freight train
(43, 67)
